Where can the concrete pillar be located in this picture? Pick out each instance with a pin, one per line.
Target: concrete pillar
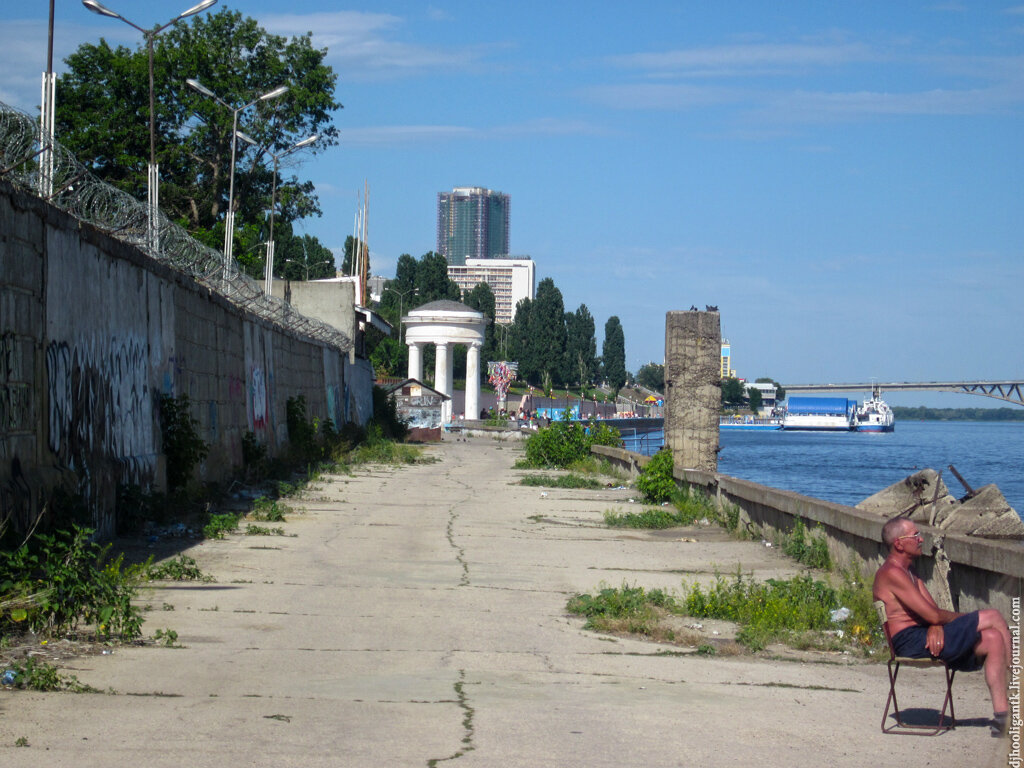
(473, 382)
(441, 381)
(415, 360)
(450, 378)
(693, 370)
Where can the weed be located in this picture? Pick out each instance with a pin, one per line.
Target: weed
(21, 741)
(560, 481)
(812, 551)
(166, 637)
(687, 508)
(767, 611)
(706, 649)
(652, 518)
(181, 443)
(181, 568)
(167, 607)
(36, 675)
(260, 530)
(254, 457)
(219, 525)
(65, 579)
(656, 482)
(268, 510)
(565, 442)
(625, 609)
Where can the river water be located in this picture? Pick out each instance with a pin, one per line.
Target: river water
(847, 467)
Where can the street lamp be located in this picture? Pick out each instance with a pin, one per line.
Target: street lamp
(229, 217)
(401, 299)
(268, 278)
(153, 185)
(306, 265)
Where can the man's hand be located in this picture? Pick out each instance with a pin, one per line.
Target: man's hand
(935, 639)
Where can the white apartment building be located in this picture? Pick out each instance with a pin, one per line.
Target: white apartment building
(510, 280)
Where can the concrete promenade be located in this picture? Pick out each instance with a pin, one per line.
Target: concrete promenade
(417, 617)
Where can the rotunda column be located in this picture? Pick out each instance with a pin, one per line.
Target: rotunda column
(473, 381)
(441, 381)
(416, 360)
(450, 379)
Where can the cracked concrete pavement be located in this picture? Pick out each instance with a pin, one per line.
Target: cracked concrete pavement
(415, 616)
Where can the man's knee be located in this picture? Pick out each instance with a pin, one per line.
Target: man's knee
(990, 618)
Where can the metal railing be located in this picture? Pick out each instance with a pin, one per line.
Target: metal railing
(71, 187)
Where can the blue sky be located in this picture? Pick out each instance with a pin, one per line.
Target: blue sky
(844, 181)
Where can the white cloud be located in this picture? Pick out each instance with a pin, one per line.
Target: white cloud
(404, 134)
(732, 60)
(415, 134)
(364, 45)
(659, 96)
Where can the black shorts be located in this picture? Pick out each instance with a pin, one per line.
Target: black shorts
(959, 638)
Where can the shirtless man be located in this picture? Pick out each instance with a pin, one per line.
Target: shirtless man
(920, 628)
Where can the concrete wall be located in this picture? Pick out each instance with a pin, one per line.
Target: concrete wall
(983, 573)
(93, 332)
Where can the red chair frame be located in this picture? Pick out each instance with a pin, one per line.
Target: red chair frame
(895, 662)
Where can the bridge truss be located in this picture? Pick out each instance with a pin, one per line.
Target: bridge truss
(1009, 391)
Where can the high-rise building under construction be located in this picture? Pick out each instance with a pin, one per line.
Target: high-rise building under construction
(472, 223)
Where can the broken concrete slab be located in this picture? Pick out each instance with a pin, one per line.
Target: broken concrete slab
(913, 497)
(924, 498)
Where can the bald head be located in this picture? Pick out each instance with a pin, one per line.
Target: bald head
(894, 528)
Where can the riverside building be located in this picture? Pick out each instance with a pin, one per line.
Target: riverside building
(472, 223)
(510, 279)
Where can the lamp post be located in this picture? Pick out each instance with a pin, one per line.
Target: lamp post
(306, 265)
(47, 113)
(153, 185)
(401, 300)
(268, 277)
(229, 217)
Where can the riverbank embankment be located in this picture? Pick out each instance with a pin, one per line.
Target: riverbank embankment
(416, 615)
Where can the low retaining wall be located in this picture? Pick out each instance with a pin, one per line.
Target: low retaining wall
(983, 572)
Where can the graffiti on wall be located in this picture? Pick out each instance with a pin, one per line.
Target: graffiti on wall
(258, 414)
(15, 395)
(101, 411)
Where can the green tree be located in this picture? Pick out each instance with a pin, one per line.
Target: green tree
(652, 376)
(613, 354)
(754, 398)
(519, 347)
(304, 258)
(481, 298)
(547, 331)
(432, 282)
(732, 391)
(103, 110)
(405, 272)
(580, 346)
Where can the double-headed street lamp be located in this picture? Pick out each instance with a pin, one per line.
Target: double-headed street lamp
(268, 276)
(229, 218)
(154, 169)
(306, 265)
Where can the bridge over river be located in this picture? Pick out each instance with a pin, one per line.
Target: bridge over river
(1010, 391)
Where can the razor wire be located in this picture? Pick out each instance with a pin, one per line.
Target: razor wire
(69, 185)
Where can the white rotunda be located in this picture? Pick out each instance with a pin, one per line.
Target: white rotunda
(445, 324)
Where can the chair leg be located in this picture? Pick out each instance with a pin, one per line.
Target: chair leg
(918, 730)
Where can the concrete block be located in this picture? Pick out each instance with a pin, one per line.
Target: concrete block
(986, 510)
(912, 495)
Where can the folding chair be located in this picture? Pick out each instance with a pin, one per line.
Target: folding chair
(895, 662)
